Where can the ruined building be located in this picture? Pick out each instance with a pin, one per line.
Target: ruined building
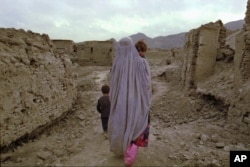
(64, 46)
(202, 47)
(212, 68)
(95, 52)
(37, 84)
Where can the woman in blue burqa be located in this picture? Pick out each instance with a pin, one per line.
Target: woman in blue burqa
(130, 96)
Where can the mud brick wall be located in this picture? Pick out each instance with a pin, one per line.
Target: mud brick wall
(242, 54)
(63, 46)
(189, 60)
(37, 85)
(245, 64)
(239, 112)
(95, 53)
(239, 47)
(208, 47)
(202, 47)
(222, 33)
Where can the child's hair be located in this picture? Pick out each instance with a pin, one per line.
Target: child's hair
(105, 89)
(141, 46)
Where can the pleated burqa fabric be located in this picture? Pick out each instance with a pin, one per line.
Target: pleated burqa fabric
(130, 96)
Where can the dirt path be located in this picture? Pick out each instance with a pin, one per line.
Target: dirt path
(184, 132)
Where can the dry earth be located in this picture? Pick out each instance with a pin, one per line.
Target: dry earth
(186, 131)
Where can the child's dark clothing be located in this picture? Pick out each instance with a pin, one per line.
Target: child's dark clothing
(103, 107)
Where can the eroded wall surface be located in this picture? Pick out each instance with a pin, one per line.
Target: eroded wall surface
(202, 47)
(239, 112)
(37, 85)
(245, 64)
(189, 59)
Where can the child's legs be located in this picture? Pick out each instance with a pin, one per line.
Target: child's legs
(105, 124)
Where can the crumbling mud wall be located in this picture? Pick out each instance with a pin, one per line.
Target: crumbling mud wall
(242, 53)
(189, 59)
(245, 63)
(64, 46)
(37, 85)
(207, 51)
(226, 77)
(202, 47)
(239, 111)
(95, 53)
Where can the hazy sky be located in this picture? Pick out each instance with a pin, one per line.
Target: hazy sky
(83, 20)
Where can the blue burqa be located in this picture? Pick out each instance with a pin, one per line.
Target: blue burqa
(130, 96)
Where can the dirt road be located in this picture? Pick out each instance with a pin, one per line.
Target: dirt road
(185, 131)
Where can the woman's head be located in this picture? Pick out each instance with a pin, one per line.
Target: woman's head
(141, 47)
(126, 41)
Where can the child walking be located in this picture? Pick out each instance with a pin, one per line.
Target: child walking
(103, 107)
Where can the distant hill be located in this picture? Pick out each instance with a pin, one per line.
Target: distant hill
(235, 25)
(177, 40)
(161, 42)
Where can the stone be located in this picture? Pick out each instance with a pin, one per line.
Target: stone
(215, 138)
(220, 145)
(204, 138)
(44, 155)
